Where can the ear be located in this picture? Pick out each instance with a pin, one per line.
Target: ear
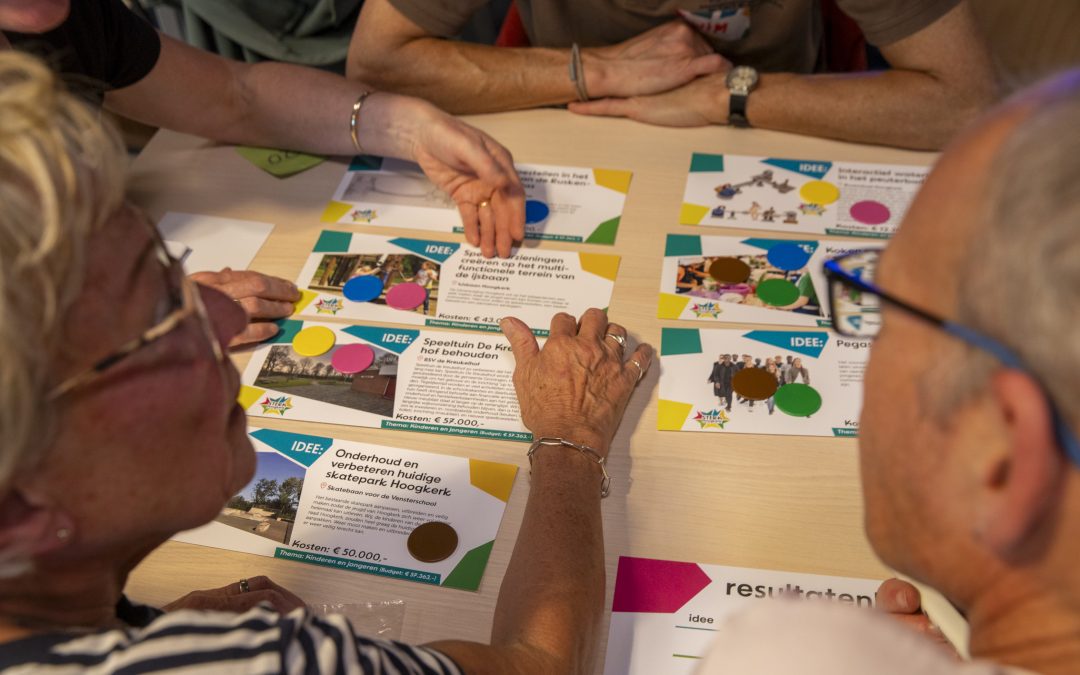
(31, 529)
(1022, 484)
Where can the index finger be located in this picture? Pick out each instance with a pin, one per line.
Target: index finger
(247, 283)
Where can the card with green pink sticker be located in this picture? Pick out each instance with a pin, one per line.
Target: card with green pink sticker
(811, 197)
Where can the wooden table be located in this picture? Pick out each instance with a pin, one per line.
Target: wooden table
(778, 502)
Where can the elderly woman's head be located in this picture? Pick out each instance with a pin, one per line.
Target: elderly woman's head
(118, 413)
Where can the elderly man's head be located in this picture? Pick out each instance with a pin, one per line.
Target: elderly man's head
(119, 417)
(964, 479)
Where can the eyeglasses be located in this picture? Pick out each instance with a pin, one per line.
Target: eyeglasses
(182, 301)
(855, 303)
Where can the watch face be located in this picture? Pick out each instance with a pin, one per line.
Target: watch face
(742, 78)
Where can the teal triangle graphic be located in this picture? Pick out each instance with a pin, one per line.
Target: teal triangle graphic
(683, 244)
(365, 163)
(808, 343)
(396, 340)
(675, 341)
(300, 448)
(810, 168)
(438, 251)
(331, 241)
(701, 162)
(289, 329)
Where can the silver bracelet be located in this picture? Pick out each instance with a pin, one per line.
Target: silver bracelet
(577, 73)
(605, 483)
(354, 121)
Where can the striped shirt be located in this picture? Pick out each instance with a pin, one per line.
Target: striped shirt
(189, 641)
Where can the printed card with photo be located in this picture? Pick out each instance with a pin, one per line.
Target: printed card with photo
(390, 512)
(388, 378)
(809, 197)
(665, 613)
(563, 203)
(798, 383)
(756, 280)
(444, 284)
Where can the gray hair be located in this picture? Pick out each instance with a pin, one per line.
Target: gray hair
(61, 177)
(1020, 281)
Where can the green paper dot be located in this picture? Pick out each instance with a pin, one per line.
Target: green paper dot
(777, 292)
(797, 399)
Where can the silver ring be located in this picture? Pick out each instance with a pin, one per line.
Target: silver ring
(617, 338)
(640, 370)
(244, 588)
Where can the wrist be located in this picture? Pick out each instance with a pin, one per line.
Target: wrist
(390, 125)
(579, 434)
(597, 71)
(720, 105)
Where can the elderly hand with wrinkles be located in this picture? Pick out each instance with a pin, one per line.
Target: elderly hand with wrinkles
(576, 387)
(264, 299)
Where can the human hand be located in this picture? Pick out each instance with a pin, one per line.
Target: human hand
(658, 60)
(901, 600)
(478, 173)
(698, 103)
(578, 385)
(232, 598)
(264, 298)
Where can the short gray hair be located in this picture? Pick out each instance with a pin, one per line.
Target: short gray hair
(61, 177)
(1020, 280)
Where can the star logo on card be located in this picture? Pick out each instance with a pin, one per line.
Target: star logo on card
(709, 310)
(712, 418)
(363, 215)
(328, 306)
(276, 406)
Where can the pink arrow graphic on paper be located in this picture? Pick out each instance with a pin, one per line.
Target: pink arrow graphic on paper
(658, 586)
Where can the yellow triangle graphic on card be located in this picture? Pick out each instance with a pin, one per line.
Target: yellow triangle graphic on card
(335, 211)
(306, 297)
(671, 415)
(494, 478)
(671, 306)
(600, 264)
(619, 181)
(692, 214)
(248, 396)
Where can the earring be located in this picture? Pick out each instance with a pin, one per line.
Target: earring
(63, 534)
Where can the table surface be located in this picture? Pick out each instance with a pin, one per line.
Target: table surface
(778, 502)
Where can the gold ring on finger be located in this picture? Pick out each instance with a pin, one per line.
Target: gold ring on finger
(483, 204)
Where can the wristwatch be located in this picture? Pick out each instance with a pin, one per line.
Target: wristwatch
(741, 80)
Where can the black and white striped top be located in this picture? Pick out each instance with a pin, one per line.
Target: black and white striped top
(258, 641)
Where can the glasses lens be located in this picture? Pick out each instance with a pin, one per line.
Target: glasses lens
(856, 312)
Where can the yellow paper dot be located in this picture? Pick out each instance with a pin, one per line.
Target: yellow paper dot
(313, 341)
(819, 192)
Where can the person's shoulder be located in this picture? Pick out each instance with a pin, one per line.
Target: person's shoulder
(813, 637)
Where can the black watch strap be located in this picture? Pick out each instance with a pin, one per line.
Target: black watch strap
(737, 111)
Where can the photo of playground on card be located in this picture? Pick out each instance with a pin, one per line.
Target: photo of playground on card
(315, 377)
(337, 269)
(706, 277)
(267, 505)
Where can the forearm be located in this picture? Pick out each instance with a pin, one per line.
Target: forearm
(553, 591)
(269, 114)
(899, 108)
(464, 78)
(551, 599)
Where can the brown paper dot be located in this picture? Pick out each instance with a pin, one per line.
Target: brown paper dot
(756, 384)
(729, 270)
(432, 542)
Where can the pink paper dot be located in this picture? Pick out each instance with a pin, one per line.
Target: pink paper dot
(406, 296)
(352, 358)
(870, 212)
